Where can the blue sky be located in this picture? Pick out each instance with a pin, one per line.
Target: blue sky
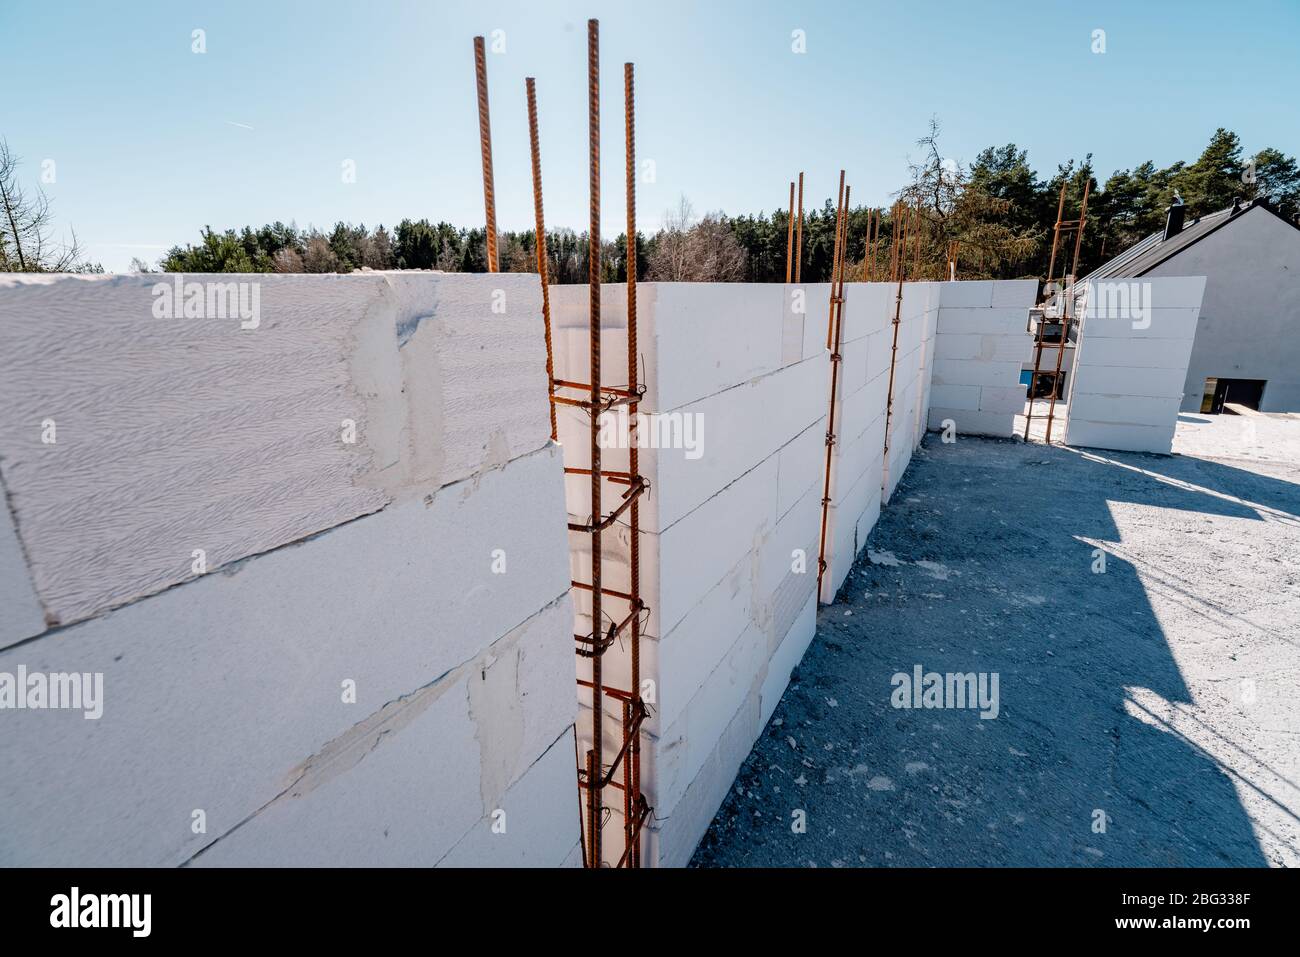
(151, 141)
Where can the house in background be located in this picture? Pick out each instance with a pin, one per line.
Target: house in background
(1247, 347)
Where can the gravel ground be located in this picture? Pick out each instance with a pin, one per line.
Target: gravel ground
(1147, 715)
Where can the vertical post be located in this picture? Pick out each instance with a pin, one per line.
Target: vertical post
(798, 239)
(595, 764)
(789, 237)
(632, 779)
(543, 262)
(485, 144)
(833, 345)
(900, 243)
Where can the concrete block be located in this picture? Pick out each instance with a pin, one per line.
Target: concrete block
(176, 435)
(761, 590)
(1101, 380)
(956, 372)
(540, 823)
(686, 745)
(966, 346)
(813, 299)
(998, 424)
(711, 336)
(402, 798)
(281, 632)
(1004, 321)
(800, 463)
(1133, 354)
(868, 308)
(1167, 292)
(735, 438)
(1155, 324)
(673, 841)
(786, 659)
(957, 396)
(1017, 293)
(1130, 438)
(967, 293)
(694, 555)
(1126, 409)
(23, 616)
(867, 520)
(999, 399)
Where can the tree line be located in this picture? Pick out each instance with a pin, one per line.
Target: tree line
(996, 215)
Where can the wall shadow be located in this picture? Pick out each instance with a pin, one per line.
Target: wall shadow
(1009, 588)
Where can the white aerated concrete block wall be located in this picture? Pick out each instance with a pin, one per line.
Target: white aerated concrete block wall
(319, 561)
(981, 343)
(728, 530)
(860, 480)
(1131, 362)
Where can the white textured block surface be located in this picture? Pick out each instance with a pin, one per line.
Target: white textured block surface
(997, 424)
(1153, 324)
(1123, 381)
(397, 602)
(1126, 409)
(1170, 292)
(176, 435)
(1132, 354)
(956, 396)
(967, 293)
(1017, 293)
(22, 616)
(1129, 438)
(955, 372)
(999, 399)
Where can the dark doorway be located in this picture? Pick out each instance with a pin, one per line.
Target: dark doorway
(1046, 384)
(1245, 392)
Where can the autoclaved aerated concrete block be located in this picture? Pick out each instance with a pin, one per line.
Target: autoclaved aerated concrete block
(359, 663)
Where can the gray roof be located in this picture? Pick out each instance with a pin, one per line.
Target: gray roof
(1146, 254)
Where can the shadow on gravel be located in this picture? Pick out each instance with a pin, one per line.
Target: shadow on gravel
(985, 565)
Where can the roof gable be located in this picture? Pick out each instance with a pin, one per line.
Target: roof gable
(1148, 253)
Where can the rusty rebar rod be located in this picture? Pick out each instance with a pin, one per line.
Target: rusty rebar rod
(594, 808)
(543, 263)
(789, 237)
(833, 345)
(798, 236)
(900, 236)
(632, 790)
(485, 145)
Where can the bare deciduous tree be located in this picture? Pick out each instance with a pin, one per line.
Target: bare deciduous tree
(26, 242)
(707, 251)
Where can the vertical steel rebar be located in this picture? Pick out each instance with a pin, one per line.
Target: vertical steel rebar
(543, 263)
(789, 237)
(833, 345)
(900, 235)
(798, 236)
(485, 145)
(632, 790)
(594, 795)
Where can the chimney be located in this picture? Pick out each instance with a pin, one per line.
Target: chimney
(1174, 224)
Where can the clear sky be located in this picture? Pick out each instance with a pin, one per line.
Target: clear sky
(150, 141)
